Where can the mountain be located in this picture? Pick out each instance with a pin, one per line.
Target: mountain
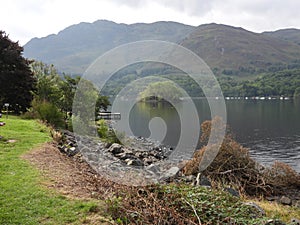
(292, 35)
(73, 49)
(230, 51)
(235, 51)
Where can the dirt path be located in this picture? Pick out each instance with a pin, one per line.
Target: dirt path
(73, 178)
(70, 176)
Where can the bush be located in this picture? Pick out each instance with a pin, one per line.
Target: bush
(48, 112)
(102, 129)
(180, 204)
(233, 166)
(109, 135)
(281, 176)
(30, 114)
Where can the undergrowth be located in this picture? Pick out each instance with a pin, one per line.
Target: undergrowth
(181, 204)
(234, 166)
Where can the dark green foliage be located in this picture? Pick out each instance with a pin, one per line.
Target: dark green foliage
(102, 103)
(56, 94)
(102, 129)
(107, 134)
(48, 112)
(158, 91)
(282, 83)
(16, 79)
(297, 93)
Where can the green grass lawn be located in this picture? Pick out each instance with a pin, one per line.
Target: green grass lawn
(22, 199)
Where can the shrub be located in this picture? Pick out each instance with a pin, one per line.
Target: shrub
(102, 129)
(181, 204)
(108, 134)
(48, 112)
(233, 166)
(281, 175)
(30, 114)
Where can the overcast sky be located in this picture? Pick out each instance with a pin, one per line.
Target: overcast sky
(25, 19)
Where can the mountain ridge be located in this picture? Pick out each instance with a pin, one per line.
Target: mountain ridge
(228, 50)
(237, 50)
(84, 42)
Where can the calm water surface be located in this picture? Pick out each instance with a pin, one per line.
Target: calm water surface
(269, 128)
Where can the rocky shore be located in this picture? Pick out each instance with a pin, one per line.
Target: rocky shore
(144, 156)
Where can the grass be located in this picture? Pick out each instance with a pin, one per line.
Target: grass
(279, 211)
(22, 199)
(183, 204)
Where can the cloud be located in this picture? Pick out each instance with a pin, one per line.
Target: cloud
(191, 7)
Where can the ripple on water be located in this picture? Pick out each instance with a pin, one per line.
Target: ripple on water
(284, 149)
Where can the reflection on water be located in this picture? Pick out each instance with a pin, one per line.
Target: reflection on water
(269, 128)
(142, 113)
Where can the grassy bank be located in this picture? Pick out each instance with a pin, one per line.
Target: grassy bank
(25, 200)
(22, 199)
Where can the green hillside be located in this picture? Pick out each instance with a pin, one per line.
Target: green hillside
(73, 49)
(235, 55)
(228, 50)
(237, 52)
(292, 35)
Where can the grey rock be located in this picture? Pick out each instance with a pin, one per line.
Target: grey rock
(115, 148)
(134, 162)
(123, 156)
(257, 211)
(275, 222)
(92, 158)
(204, 181)
(137, 162)
(272, 198)
(72, 151)
(285, 200)
(153, 168)
(296, 203)
(170, 173)
(107, 145)
(233, 192)
(295, 221)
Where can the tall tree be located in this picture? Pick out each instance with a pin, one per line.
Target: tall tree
(16, 78)
(47, 84)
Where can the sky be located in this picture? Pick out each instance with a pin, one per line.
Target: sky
(26, 19)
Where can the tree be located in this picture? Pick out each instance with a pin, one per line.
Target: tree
(56, 92)
(68, 88)
(297, 93)
(16, 79)
(161, 91)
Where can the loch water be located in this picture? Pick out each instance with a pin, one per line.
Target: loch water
(269, 128)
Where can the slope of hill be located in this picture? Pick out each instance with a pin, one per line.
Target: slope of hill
(236, 51)
(228, 50)
(75, 47)
(292, 35)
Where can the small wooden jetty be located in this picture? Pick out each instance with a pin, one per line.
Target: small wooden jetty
(109, 116)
